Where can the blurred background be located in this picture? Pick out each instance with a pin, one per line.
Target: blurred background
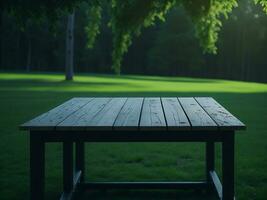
(169, 49)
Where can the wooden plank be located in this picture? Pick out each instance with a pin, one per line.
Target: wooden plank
(145, 185)
(152, 116)
(68, 195)
(175, 117)
(224, 119)
(50, 119)
(198, 118)
(81, 119)
(105, 119)
(129, 116)
(99, 114)
(217, 183)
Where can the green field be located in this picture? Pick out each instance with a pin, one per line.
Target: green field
(23, 96)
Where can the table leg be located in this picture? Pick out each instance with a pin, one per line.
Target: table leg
(228, 166)
(210, 160)
(37, 167)
(67, 166)
(79, 164)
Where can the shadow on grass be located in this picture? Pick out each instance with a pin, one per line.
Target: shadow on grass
(27, 84)
(154, 78)
(64, 95)
(43, 82)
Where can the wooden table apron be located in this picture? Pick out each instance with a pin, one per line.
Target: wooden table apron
(157, 119)
(73, 179)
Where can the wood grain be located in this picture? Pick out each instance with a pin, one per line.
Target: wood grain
(105, 119)
(175, 117)
(198, 118)
(152, 116)
(81, 119)
(129, 115)
(99, 114)
(224, 119)
(50, 119)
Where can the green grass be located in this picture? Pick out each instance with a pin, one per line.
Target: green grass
(23, 96)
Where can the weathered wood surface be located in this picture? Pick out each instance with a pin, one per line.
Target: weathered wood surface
(145, 114)
(152, 116)
(105, 119)
(50, 119)
(175, 116)
(98, 114)
(81, 119)
(128, 118)
(198, 118)
(219, 114)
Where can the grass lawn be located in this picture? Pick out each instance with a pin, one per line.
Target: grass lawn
(23, 96)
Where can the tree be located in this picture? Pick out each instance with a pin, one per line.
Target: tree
(70, 47)
(129, 17)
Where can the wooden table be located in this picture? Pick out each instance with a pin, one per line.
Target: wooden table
(156, 119)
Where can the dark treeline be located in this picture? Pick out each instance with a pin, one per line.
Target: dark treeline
(168, 48)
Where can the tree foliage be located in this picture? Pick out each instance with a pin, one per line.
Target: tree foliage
(263, 3)
(208, 20)
(92, 28)
(128, 17)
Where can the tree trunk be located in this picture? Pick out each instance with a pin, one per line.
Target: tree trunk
(69, 47)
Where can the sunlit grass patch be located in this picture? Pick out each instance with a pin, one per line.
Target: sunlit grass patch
(109, 83)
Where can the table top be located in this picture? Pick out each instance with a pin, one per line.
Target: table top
(137, 113)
